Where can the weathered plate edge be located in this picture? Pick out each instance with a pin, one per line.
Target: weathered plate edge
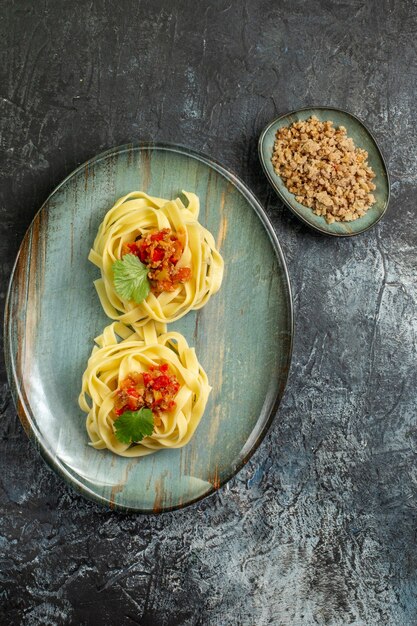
(323, 231)
(22, 407)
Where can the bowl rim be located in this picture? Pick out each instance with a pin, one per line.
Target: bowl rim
(323, 231)
(22, 406)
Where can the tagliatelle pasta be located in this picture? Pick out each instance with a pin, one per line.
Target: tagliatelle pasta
(120, 353)
(135, 216)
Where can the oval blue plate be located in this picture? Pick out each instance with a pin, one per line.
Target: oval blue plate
(362, 138)
(243, 336)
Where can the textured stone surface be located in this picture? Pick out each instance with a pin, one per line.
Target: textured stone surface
(320, 526)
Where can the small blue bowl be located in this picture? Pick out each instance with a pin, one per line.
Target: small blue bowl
(362, 138)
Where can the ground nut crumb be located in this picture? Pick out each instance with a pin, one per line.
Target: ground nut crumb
(321, 166)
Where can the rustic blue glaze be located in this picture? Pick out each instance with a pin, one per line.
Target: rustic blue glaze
(242, 337)
(362, 138)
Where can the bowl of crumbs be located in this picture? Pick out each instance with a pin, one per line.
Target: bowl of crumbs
(326, 166)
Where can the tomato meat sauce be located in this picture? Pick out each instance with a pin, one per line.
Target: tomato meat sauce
(155, 389)
(160, 251)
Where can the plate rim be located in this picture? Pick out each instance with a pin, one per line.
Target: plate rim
(24, 410)
(323, 231)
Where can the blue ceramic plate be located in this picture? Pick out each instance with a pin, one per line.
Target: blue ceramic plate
(242, 336)
(362, 138)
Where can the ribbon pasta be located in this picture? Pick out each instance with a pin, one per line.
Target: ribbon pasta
(137, 214)
(118, 352)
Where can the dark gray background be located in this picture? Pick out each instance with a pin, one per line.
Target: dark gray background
(320, 526)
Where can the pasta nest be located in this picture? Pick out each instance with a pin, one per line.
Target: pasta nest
(119, 352)
(138, 214)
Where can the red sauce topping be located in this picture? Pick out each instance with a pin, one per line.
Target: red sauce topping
(154, 389)
(160, 251)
